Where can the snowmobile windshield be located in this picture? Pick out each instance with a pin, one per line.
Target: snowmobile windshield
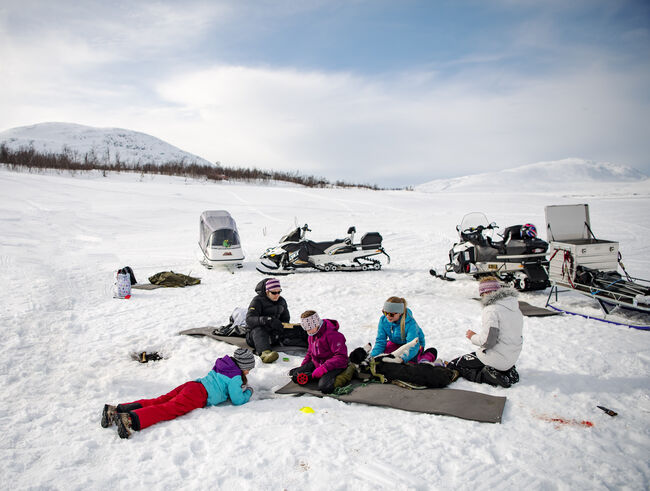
(224, 238)
(472, 221)
(293, 235)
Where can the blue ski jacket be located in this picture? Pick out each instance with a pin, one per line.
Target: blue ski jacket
(224, 382)
(392, 331)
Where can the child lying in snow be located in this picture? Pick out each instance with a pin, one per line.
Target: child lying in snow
(226, 380)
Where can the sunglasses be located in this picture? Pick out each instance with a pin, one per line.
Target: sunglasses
(388, 314)
(275, 293)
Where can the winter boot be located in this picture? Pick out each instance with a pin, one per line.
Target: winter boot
(492, 376)
(345, 377)
(513, 375)
(454, 375)
(124, 424)
(269, 356)
(108, 413)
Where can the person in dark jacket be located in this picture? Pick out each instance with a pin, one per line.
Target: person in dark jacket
(226, 380)
(327, 354)
(266, 318)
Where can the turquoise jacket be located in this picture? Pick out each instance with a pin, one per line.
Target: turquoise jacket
(392, 331)
(224, 382)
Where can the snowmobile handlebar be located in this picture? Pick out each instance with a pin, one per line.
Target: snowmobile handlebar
(480, 228)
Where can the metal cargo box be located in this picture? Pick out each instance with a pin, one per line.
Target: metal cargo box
(572, 244)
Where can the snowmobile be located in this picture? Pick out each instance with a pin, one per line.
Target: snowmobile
(296, 252)
(519, 259)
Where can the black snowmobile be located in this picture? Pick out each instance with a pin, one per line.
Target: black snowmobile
(296, 252)
(518, 259)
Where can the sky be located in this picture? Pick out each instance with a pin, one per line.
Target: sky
(369, 91)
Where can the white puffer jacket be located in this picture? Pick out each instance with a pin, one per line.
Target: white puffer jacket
(500, 339)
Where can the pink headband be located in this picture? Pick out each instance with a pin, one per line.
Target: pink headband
(311, 322)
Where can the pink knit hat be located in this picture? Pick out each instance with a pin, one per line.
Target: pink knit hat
(488, 286)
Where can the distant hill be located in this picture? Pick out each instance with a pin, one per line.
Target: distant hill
(565, 175)
(106, 145)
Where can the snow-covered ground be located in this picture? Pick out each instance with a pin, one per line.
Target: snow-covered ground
(66, 344)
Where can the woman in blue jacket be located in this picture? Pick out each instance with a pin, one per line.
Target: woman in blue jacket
(226, 380)
(398, 327)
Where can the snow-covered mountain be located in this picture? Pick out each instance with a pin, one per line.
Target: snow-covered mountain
(106, 144)
(568, 174)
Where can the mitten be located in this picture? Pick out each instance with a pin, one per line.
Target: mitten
(319, 372)
(247, 387)
(266, 321)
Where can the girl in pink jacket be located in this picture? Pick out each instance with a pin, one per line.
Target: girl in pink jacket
(327, 353)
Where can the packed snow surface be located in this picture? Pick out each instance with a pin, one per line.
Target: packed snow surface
(103, 145)
(67, 344)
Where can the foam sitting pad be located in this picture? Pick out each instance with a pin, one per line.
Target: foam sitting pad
(463, 404)
(209, 331)
(531, 310)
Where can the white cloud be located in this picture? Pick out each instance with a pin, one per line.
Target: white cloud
(419, 124)
(84, 62)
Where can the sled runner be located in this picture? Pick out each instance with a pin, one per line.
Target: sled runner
(464, 404)
(212, 332)
(219, 240)
(295, 252)
(582, 263)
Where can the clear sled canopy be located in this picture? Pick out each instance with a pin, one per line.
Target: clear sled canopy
(219, 239)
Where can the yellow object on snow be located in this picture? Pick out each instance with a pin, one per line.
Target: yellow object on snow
(307, 410)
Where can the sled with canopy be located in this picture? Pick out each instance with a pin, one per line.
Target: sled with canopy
(219, 240)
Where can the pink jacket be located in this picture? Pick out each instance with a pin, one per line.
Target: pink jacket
(327, 347)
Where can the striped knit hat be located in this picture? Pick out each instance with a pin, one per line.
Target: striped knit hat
(244, 358)
(488, 285)
(272, 284)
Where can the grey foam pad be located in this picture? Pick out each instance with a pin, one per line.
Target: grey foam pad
(208, 331)
(449, 402)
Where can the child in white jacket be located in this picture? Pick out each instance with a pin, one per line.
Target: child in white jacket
(499, 341)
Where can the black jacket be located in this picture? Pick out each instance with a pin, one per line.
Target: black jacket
(261, 307)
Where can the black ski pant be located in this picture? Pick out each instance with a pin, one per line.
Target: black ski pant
(469, 367)
(260, 338)
(326, 384)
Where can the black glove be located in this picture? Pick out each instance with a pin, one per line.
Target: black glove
(266, 321)
(276, 325)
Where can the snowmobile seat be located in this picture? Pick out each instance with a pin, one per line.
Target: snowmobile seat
(512, 233)
(371, 240)
(319, 247)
